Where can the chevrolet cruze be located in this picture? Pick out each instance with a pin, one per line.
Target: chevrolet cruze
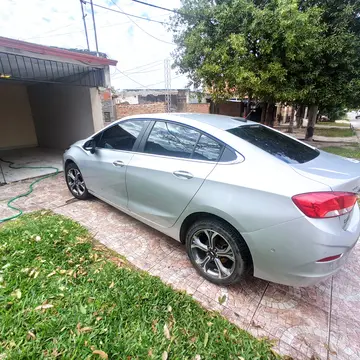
(241, 196)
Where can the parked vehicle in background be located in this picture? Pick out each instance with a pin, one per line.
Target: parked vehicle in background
(241, 196)
(324, 118)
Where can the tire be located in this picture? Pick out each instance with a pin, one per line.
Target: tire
(210, 263)
(78, 190)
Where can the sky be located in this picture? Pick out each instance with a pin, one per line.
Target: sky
(139, 46)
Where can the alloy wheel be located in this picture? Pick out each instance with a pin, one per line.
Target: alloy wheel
(76, 182)
(213, 254)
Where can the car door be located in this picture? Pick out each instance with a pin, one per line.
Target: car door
(167, 171)
(104, 171)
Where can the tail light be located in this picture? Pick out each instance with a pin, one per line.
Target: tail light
(325, 204)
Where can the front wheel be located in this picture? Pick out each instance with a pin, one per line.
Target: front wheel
(75, 182)
(217, 251)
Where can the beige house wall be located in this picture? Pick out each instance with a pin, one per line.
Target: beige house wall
(62, 114)
(16, 122)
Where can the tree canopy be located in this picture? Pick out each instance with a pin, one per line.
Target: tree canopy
(295, 51)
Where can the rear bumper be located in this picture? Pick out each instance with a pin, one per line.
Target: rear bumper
(288, 253)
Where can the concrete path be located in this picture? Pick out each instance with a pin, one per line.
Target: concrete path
(320, 322)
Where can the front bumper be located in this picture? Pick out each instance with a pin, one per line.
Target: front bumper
(288, 253)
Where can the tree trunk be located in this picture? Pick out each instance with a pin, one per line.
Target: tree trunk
(248, 106)
(300, 116)
(285, 114)
(263, 112)
(280, 117)
(269, 114)
(277, 114)
(311, 122)
(291, 123)
(306, 111)
(273, 116)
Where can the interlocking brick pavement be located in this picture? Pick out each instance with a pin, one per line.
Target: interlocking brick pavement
(322, 321)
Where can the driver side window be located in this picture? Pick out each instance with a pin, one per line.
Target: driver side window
(122, 136)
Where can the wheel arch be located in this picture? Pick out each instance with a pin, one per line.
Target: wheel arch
(193, 217)
(67, 162)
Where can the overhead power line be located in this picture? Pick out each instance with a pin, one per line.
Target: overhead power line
(75, 32)
(145, 86)
(140, 67)
(166, 9)
(130, 78)
(127, 14)
(119, 76)
(145, 65)
(146, 71)
(135, 23)
(158, 7)
(161, 82)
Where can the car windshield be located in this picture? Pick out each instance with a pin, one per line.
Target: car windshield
(275, 143)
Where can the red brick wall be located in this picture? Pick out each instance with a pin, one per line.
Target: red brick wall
(123, 110)
(198, 108)
(228, 108)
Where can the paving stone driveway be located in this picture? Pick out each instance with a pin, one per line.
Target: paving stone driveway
(319, 322)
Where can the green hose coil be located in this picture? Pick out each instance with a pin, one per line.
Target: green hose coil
(31, 186)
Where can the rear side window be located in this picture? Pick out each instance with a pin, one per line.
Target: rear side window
(207, 149)
(122, 136)
(276, 144)
(171, 140)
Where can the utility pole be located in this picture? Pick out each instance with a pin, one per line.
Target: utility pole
(167, 78)
(93, 17)
(85, 28)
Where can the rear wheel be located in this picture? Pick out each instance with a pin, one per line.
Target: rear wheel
(75, 182)
(217, 251)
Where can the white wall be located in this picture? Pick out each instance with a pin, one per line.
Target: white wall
(96, 107)
(131, 99)
(62, 114)
(16, 123)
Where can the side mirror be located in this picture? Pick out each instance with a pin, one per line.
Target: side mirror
(90, 146)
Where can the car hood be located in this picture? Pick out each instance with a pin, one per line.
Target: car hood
(341, 174)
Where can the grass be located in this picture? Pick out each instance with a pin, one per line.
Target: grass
(319, 124)
(348, 152)
(61, 297)
(334, 132)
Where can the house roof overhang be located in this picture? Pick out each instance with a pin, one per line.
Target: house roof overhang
(55, 52)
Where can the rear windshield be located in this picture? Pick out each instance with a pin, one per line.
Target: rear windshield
(274, 143)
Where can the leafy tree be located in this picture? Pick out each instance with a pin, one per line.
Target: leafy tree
(333, 82)
(238, 47)
(299, 52)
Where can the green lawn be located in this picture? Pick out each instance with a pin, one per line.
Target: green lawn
(350, 152)
(61, 297)
(334, 132)
(333, 124)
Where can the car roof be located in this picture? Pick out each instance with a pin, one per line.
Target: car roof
(222, 122)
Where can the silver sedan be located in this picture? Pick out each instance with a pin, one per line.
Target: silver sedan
(242, 197)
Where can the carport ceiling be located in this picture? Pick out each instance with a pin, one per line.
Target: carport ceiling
(31, 69)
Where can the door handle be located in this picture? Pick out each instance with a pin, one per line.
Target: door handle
(118, 163)
(183, 174)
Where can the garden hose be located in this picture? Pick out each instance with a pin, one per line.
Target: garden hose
(13, 166)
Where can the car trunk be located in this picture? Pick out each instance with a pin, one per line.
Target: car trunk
(340, 174)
